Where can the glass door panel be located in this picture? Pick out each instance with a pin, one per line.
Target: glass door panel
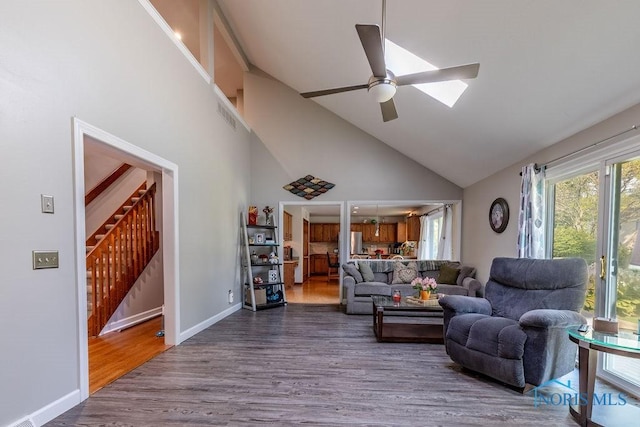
(622, 289)
(575, 226)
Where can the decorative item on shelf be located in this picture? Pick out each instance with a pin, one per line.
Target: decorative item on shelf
(499, 215)
(259, 238)
(273, 276)
(273, 258)
(309, 187)
(424, 286)
(268, 214)
(263, 258)
(253, 215)
(257, 280)
(254, 257)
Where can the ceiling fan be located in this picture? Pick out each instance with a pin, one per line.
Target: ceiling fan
(383, 83)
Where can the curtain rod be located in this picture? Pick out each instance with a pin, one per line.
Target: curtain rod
(538, 168)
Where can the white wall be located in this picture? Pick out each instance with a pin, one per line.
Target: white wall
(109, 64)
(298, 137)
(480, 244)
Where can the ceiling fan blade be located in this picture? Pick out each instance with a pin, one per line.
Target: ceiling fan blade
(388, 110)
(332, 91)
(469, 71)
(372, 43)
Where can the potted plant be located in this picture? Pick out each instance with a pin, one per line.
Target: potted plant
(424, 286)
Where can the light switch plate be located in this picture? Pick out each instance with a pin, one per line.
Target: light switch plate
(47, 203)
(45, 259)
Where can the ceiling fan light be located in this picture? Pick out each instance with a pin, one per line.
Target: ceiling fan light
(382, 90)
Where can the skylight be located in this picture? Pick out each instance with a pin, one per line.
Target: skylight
(402, 62)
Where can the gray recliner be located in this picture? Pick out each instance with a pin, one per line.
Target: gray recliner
(517, 333)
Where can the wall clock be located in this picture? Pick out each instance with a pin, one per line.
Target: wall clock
(499, 215)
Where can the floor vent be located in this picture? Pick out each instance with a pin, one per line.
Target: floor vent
(227, 115)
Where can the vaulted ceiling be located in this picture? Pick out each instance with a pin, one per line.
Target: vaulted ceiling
(548, 69)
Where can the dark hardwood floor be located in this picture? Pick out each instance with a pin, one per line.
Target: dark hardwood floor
(305, 364)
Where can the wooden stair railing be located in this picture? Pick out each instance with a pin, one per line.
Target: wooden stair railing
(105, 183)
(119, 258)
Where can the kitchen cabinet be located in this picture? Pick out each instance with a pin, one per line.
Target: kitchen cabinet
(324, 232)
(287, 226)
(289, 273)
(319, 264)
(330, 232)
(357, 227)
(387, 233)
(369, 233)
(315, 232)
(401, 232)
(413, 228)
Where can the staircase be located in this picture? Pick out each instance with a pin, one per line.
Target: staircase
(117, 254)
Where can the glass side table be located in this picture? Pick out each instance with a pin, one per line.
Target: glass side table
(589, 344)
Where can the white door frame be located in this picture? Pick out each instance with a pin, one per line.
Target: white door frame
(169, 236)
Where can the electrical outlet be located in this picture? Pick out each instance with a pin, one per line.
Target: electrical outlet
(230, 296)
(45, 259)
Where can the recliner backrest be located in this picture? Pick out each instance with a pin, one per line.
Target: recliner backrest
(518, 285)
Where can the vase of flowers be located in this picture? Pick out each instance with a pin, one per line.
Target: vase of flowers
(408, 248)
(424, 286)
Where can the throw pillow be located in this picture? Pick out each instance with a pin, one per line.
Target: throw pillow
(352, 271)
(367, 272)
(448, 275)
(404, 273)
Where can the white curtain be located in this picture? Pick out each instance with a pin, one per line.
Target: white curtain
(444, 245)
(531, 227)
(423, 244)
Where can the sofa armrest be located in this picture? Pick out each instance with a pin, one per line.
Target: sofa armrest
(545, 318)
(349, 284)
(460, 304)
(474, 287)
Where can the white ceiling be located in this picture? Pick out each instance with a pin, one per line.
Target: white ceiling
(548, 69)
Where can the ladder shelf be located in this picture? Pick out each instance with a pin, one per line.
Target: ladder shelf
(262, 286)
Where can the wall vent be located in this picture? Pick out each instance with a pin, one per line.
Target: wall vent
(227, 115)
(24, 423)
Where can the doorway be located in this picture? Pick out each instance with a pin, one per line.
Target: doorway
(312, 251)
(168, 172)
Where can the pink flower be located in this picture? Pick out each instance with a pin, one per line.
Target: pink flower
(424, 284)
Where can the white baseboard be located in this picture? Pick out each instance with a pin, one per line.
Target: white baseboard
(52, 410)
(62, 405)
(210, 321)
(130, 321)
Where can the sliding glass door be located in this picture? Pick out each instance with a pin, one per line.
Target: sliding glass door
(574, 201)
(621, 263)
(595, 214)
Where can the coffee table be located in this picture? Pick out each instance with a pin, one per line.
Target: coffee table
(406, 322)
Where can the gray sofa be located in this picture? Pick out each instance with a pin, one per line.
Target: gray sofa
(358, 291)
(517, 333)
